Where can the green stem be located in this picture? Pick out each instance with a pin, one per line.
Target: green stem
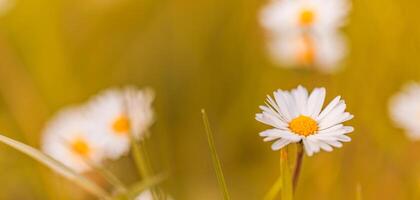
(216, 161)
(139, 159)
(298, 165)
(142, 162)
(110, 177)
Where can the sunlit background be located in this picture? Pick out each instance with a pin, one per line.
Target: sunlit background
(205, 54)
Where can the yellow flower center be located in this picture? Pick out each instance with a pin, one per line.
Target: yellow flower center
(80, 146)
(306, 17)
(121, 125)
(303, 125)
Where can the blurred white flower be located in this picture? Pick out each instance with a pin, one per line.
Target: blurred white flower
(5, 6)
(285, 16)
(324, 52)
(298, 117)
(305, 33)
(117, 113)
(146, 195)
(404, 110)
(69, 139)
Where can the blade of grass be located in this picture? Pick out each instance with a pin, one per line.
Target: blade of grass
(56, 166)
(216, 161)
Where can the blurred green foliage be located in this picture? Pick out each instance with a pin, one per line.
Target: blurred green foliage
(205, 54)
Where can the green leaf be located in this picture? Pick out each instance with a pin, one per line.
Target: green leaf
(56, 166)
(215, 158)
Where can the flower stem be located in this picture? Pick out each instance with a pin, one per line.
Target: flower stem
(139, 159)
(298, 165)
(109, 176)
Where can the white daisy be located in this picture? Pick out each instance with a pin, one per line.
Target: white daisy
(283, 16)
(298, 117)
(306, 50)
(69, 139)
(118, 112)
(404, 109)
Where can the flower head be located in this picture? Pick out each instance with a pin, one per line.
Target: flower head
(117, 113)
(404, 109)
(297, 116)
(70, 139)
(283, 16)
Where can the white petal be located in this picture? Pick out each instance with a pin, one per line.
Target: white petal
(279, 144)
(282, 104)
(280, 133)
(335, 112)
(315, 102)
(340, 119)
(307, 148)
(329, 107)
(301, 98)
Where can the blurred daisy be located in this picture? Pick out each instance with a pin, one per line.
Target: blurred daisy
(118, 113)
(298, 117)
(282, 16)
(146, 195)
(69, 139)
(323, 52)
(5, 6)
(404, 109)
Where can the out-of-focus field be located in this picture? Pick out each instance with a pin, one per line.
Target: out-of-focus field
(205, 54)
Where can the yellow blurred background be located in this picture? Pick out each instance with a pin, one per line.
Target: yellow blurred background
(205, 54)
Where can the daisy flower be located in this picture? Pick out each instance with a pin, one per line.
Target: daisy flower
(404, 110)
(324, 52)
(117, 113)
(69, 139)
(297, 116)
(319, 16)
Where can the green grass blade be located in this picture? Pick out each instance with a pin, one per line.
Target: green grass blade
(216, 162)
(285, 173)
(56, 166)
